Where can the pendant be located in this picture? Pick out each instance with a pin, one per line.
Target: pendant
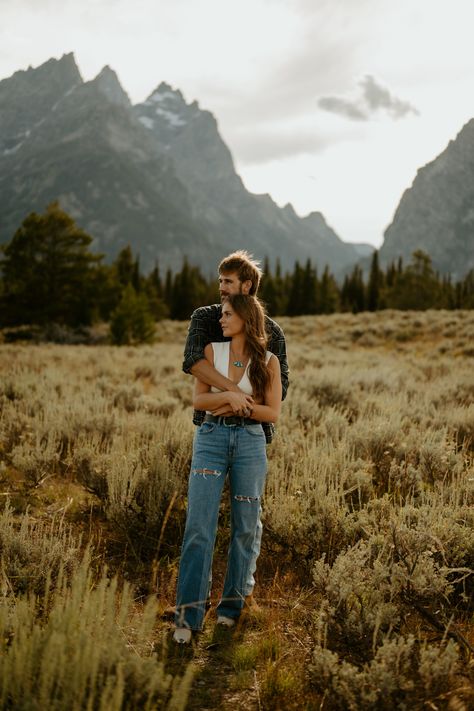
(238, 363)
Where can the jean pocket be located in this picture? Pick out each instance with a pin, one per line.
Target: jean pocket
(207, 428)
(255, 430)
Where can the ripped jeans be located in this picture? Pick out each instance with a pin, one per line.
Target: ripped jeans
(218, 450)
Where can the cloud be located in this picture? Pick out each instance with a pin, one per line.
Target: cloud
(373, 97)
(377, 97)
(336, 105)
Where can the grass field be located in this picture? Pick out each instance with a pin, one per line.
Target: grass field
(365, 582)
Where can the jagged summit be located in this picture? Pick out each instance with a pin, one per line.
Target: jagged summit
(165, 111)
(157, 176)
(63, 71)
(165, 91)
(29, 95)
(108, 84)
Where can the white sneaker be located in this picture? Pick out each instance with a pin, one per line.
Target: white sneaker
(225, 621)
(182, 635)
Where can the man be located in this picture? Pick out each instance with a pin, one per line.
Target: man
(239, 273)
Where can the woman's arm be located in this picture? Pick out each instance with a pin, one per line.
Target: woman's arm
(269, 411)
(208, 374)
(203, 399)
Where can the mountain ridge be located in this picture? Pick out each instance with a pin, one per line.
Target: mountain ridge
(436, 213)
(157, 175)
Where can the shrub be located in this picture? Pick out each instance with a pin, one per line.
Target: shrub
(132, 320)
(33, 552)
(91, 650)
(400, 676)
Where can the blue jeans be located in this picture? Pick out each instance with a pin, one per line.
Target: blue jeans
(218, 450)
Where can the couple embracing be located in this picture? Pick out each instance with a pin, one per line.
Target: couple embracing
(238, 357)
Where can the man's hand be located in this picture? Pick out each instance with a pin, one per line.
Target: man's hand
(239, 404)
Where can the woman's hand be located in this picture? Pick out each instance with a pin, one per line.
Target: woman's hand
(240, 404)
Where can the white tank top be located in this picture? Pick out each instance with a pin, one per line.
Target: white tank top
(221, 364)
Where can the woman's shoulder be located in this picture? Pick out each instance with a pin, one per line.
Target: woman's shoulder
(220, 346)
(272, 361)
(217, 350)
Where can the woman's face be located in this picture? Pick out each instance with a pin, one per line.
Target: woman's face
(230, 321)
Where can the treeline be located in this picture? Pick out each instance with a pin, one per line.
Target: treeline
(415, 286)
(49, 275)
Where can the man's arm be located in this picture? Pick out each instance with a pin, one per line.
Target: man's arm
(230, 402)
(206, 373)
(277, 345)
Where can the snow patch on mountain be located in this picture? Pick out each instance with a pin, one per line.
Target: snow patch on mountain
(147, 122)
(161, 96)
(172, 118)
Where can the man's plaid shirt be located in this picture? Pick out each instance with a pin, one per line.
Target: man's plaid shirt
(205, 328)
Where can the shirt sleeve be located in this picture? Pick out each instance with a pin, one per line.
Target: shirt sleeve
(199, 335)
(277, 345)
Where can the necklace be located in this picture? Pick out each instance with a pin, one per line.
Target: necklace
(238, 363)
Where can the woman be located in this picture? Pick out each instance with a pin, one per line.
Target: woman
(227, 443)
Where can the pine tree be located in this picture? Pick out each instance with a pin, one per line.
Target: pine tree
(267, 291)
(374, 285)
(189, 291)
(281, 293)
(272, 290)
(417, 286)
(310, 289)
(153, 289)
(353, 291)
(132, 321)
(329, 293)
(168, 289)
(49, 272)
(465, 292)
(154, 279)
(126, 268)
(296, 303)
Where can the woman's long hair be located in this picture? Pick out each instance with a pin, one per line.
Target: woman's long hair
(251, 311)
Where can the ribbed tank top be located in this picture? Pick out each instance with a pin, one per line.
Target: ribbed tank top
(221, 364)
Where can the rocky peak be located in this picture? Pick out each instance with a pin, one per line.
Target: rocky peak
(165, 93)
(65, 68)
(436, 214)
(28, 97)
(108, 84)
(58, 75)
(166, 110)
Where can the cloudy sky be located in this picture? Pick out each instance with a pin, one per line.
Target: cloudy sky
(331, 105)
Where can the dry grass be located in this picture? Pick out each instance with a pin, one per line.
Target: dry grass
(369, 504)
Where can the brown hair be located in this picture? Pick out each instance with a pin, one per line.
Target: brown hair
(246, 267)
(252, 312)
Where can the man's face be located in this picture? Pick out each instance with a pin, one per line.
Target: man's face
(230, 284)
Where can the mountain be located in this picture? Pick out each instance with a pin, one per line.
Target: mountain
(90, 152)
(157, 176)
(364, 249)
(436, 214)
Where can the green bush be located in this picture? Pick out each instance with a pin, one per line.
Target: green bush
(89, 650)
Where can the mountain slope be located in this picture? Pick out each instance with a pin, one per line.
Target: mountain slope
(157, 176)
(204, 165)
(436, 213)
(90, 152)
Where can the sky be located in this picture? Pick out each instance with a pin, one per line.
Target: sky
(330, 105)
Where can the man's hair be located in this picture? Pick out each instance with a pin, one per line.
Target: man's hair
(245, 266)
